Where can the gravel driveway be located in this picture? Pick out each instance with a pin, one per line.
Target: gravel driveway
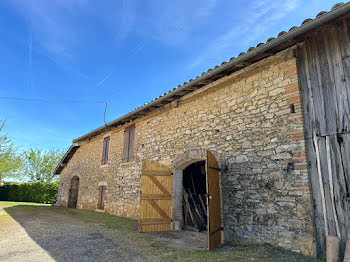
(51, 234)
(30, 232)
(32, 236)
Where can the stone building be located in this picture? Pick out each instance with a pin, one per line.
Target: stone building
(249, 114)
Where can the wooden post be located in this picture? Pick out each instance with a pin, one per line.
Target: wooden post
(332, 248)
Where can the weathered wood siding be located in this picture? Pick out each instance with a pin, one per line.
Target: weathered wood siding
(324, 75)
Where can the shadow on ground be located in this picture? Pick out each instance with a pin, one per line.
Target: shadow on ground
(76, 235)
(63, 237)
(44, 233)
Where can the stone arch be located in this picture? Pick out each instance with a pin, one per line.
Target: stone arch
(73, 192)
(179, 164)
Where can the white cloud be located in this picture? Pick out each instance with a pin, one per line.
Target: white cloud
(206, 9)
(250, 29)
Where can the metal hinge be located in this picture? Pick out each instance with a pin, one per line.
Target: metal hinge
(215, 168)
(217, 230)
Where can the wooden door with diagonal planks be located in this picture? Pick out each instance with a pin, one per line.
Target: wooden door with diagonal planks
(155, 197)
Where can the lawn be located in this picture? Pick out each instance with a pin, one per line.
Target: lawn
(146, 243)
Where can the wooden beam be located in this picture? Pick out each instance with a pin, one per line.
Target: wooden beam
(155, 196)
(154, 221)
(159, 185)
(156, 173)
(157, 207)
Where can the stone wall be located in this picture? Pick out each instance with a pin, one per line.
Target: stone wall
(252, 122)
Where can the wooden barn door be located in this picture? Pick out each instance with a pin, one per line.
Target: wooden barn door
(155, 197)
(214, 203)
(324, 77)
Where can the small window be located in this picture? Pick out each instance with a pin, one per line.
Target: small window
(128, 150)
(101, 197)
(105, 150)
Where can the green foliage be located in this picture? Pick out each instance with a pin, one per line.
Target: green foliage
(38, 192)
(39, 165)
(9, 161)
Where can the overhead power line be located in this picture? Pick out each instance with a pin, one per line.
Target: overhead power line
(59, 101)
(51, 101)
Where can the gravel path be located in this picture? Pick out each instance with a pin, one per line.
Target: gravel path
(32, 232)
(45, 234)
(51, 236)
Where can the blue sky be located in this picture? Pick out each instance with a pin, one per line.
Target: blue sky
(124, 52)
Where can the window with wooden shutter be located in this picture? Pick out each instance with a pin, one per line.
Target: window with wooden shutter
(129, 138)
(105, 150)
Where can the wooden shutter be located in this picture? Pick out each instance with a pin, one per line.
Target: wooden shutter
(128, 150)
(131, 143)
(155, 197)
(214, 203)
(126, 145)
(101, 193)
(105, 150)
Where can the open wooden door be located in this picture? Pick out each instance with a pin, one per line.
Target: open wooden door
(155, 197)
(214, 203)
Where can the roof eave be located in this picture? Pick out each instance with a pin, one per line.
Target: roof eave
(65, 159)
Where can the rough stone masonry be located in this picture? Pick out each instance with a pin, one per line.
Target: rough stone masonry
(251, 121)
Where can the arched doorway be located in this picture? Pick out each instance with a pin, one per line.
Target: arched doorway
(200, 167)
(73, 192)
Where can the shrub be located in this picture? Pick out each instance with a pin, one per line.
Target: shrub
(38, 192)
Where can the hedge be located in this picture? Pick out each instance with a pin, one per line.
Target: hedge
(38, 192)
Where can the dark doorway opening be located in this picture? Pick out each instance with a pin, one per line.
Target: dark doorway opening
(194, 197)
(73, 193)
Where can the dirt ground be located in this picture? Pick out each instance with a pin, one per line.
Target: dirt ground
(42, 233)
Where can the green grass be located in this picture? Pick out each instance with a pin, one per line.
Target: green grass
(109, 221)
(159, 250)
(230, 252)
(5, 204)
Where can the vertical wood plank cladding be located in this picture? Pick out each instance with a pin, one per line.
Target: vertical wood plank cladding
(327, 84)
(155, 212)
(315, 86)
(342, 102)
(344, 42)
(344, 141)
(325, 178)
(339, 184)
(320, 235)
(306, 92)
(345, 152)
(324, 77)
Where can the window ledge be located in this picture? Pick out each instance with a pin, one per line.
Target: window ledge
(128, 163)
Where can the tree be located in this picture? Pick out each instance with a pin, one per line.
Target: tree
(39, 165)
(9, 161)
